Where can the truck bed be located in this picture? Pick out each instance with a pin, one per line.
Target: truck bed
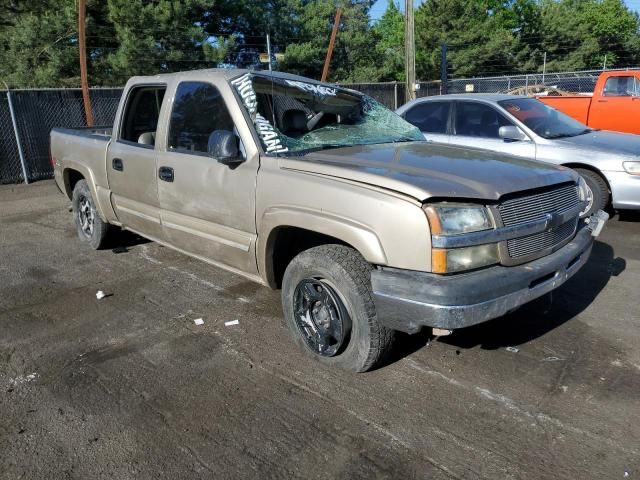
(575, 106)
(83, 150)
(100, 132)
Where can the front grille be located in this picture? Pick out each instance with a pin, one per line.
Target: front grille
(520, 247)
(536, 206)
(529, 208)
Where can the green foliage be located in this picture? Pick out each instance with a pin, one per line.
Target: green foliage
(39, 44)
(353, 57)
(390, 46)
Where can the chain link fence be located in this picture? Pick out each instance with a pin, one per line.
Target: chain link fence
(580, 83)
(36, 112)
(10, 166)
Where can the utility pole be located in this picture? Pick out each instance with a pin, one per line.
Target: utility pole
(409, 52)
(269, 50)
(444, 68)
(332, 41)
(544, 66)
(82, 8)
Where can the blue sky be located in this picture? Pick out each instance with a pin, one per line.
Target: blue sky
(380, 6)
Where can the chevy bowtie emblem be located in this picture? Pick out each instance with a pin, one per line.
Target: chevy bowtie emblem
(553, 221)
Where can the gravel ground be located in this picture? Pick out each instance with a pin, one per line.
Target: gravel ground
(129, 387)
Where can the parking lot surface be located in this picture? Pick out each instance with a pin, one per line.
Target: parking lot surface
(129, 387)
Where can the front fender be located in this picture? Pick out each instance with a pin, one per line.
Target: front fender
(357, 235)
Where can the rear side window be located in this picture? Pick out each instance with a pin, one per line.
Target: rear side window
(198, 111)
(478, 120)
(430, 117)
(620, 87)
(141, 114)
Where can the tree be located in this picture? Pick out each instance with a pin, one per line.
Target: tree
(354, 56)
(579, 34)
(39, 44)
(482, 36)
(389, 31)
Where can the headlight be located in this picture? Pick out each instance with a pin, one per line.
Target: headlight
(632, 168)
(455, 219)
(583, 190)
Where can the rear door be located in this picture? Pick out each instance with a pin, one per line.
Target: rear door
(207, 207)
(618, 105)
(131, 162)
(432, 118)
(476, 124)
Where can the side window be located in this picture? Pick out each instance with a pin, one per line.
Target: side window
(478, 120)
(141, 115)
(198, 111)
(619, 87)
(430, 117)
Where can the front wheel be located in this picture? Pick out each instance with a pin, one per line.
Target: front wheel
(91, 228)
(597, 194)
(329, 310)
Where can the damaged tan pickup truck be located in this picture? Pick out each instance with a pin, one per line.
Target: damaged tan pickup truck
(323, 192)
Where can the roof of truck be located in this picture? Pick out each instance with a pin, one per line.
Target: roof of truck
(227, 73)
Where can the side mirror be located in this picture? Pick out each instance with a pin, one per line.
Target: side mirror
(223, 146)
(512, 133)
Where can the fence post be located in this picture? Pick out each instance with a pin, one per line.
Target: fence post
(526, 84)
(17, 135)
(395, 95)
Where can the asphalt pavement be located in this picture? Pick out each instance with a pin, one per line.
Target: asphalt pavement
(130, 387)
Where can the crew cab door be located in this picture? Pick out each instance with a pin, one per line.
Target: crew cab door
(617, 106)
(207, 208)
(131, 161)
(477, 124)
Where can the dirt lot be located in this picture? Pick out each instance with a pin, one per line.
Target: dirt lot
(128, 386)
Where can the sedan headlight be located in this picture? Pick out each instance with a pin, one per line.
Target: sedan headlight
(632, 168)
(447, 219)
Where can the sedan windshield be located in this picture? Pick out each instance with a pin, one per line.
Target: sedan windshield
(542, 119)
(293, 116)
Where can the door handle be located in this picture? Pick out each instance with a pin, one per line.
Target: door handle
(117, 164)
(602, 101)
(165, 174)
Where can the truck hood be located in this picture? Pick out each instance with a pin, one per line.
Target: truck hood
(604, 141)
(426, 170)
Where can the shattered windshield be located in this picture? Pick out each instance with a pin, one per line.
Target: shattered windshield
(294, 117)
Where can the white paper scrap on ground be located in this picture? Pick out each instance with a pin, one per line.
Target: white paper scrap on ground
(231, 322)
(512, 349)
(198, 321)
(100, 295)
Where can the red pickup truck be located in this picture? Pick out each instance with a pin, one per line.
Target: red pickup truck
(614, 105)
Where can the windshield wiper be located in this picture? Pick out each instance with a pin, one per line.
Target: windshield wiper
(327, 146)
(568, 135)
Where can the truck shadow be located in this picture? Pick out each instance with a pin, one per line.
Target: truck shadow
(120, 241)
(536, 318)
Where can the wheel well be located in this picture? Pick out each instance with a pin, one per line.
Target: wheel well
(588, 167)
(71, 177)
(285, 243)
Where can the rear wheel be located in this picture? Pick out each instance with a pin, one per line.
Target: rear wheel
(329, 310)
(598, 192)
(91, 228)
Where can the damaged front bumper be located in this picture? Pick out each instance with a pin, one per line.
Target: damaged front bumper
(408, 300)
